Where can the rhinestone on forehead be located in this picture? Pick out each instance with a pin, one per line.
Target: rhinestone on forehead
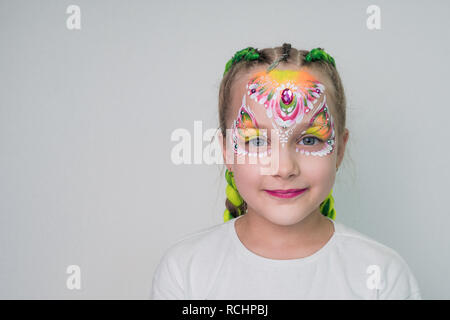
(287, 96)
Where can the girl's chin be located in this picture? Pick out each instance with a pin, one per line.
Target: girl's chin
(286, 219)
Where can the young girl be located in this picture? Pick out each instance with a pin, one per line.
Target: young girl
(282, 120)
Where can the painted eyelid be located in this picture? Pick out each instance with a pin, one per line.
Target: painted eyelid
(257, 137)
(253, 132)
(315, 131)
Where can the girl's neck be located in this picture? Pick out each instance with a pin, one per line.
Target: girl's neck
(284, 242)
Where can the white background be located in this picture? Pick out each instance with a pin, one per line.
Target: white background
(86, 117)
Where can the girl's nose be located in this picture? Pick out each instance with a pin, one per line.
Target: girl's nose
(287, 162)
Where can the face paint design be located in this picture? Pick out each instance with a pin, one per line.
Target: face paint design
(287, 96)
(322, 127)
(245, 129)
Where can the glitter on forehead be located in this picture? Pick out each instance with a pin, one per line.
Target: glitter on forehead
(287, 95)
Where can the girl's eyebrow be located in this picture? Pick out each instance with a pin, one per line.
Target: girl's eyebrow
(297, 126)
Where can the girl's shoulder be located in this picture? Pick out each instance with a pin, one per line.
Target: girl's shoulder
(366, 256)
(347, 237)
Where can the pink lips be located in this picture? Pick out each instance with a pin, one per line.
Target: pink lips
(290, 193)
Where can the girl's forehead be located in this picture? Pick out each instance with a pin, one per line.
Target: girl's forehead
(279, 75)
(277, 78)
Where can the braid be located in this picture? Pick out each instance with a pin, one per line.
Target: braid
(286, 50)
(284, 57)
(248, 54)
(236, 206)
(319, 54)
(327, 206)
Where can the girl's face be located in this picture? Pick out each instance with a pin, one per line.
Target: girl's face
(283, 136)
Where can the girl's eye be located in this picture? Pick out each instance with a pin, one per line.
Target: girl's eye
(309, 141)
(256, 142)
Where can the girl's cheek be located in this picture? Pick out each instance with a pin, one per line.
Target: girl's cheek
(316, 169)
(247, 178)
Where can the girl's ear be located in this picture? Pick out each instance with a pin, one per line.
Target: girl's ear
(341, 153)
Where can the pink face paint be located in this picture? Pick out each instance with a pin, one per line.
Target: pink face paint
(245, 129)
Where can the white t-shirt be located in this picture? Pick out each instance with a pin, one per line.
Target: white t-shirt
(214, 264)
